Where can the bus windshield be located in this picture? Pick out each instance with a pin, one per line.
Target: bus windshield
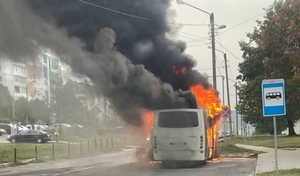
(178, 119)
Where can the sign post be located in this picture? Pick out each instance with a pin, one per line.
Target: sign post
(273, 101)
(225, 114)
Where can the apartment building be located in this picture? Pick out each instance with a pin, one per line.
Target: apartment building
(30, 78)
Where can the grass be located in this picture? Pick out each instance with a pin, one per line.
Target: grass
(26, 151)
(284, 142)
(229, 149)
(291, 172)
(81, 142)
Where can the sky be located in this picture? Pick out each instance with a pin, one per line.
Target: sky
(227, 12)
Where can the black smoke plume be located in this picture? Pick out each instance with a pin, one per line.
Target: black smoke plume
(124, 60)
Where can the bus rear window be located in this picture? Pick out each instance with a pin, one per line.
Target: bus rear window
(178, 119)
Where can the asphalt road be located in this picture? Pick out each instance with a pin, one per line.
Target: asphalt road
(3, 138)
(124, 164)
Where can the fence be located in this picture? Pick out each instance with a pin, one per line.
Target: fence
(15, 153)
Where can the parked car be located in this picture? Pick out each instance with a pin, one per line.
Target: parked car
(2, 131)
(7, 127)
(30, 136)
(35, 127)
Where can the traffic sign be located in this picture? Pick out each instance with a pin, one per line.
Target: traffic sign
(273, 97)
(273, 100)
(226, 111)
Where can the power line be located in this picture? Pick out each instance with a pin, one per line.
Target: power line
(195, 45)
(230, 69)
(192, 39)
(115, 11)
(229, 51)
(192, 35)
(239, 58)
(133, 16)
(220, 62)
(241, 23)
(185, 24)
(207, 69)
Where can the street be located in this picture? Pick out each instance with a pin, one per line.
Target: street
(124, 164)
(3, 138)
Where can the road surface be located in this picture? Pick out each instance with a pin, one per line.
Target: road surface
(124, 164)
(3, 138)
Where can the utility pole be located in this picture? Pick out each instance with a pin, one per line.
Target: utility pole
(13, 108)
(213, 46)
(236, 112)
(228, 94)
(223, 102)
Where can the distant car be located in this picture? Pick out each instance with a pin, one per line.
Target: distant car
(35, 127)
(9, 128)
(2, 131)
(30, 136)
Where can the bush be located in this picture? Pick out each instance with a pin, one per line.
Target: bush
(4, 120)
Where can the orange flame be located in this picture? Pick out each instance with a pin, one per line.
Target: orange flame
(148, 120)
(179, 70)
(207, 99)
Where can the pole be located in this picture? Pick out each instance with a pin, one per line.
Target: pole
(27, 92)
(213, 46)
(275, 141)
(223, 102)
(228, 93)
(236, 112)
(36, 153)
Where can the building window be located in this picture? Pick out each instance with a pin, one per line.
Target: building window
(17, 89)
(16, 79)
(0, 78)
(15, 68)
(55, 64)
(0, 68)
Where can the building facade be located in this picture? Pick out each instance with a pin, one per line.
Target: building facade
(31, 78)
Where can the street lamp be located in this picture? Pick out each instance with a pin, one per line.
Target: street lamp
(213, 44)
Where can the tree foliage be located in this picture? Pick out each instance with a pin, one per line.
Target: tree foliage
(67, 106)
(32, 111)
(272, 52)
(5, 103)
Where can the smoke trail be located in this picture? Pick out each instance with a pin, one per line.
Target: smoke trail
(129, 86)
(142, 41)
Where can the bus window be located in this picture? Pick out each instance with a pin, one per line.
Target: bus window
(178, 119)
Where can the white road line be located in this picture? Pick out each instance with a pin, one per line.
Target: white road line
(72, 171)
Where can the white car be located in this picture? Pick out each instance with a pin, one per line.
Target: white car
(35, 127)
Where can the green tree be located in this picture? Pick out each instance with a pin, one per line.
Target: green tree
(67, 106)
(5, 103)
(32, 111)
(272, 52)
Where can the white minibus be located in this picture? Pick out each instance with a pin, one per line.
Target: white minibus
(180, 135)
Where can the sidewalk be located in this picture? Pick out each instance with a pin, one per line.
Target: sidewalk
(287, 159)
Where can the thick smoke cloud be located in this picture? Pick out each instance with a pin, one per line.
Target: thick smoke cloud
(126, 83)
(142, 41)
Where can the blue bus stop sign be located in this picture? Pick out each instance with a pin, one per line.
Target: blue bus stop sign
(273, 97)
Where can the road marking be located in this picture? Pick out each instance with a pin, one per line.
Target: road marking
(72, 171)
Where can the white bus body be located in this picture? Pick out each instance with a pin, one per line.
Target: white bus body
(180, 135)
